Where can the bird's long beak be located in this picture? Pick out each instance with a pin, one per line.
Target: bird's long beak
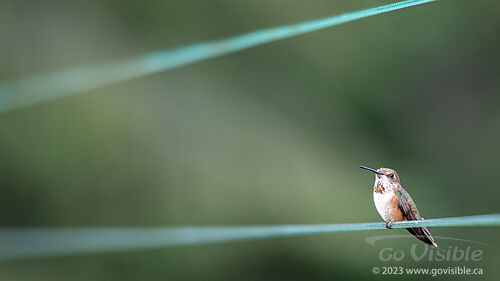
(370, 169)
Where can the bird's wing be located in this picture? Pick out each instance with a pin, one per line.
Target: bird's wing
(410, 212)
(406, 205)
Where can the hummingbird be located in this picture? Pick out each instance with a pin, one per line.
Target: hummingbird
(394, 203)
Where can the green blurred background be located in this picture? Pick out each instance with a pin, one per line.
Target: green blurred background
(270, 135)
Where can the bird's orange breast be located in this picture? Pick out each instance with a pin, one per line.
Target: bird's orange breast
(393, 210)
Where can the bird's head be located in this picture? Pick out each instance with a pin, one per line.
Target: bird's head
(385, 178)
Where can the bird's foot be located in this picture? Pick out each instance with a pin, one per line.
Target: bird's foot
(388, 224)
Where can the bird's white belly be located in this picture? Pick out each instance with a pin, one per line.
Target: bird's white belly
(382, 203)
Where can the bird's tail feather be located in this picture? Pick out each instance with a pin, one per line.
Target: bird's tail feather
(423, 235)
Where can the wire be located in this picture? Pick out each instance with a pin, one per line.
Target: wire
(34, 90)
(17, 243)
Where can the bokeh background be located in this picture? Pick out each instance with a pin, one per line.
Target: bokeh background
(270, 135)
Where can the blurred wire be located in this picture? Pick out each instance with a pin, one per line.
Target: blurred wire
(45, 87)
(17, 243)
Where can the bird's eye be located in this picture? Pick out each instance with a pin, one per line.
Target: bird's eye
(391, 175)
